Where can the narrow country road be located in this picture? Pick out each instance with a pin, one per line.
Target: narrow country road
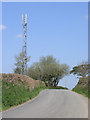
(52, 103)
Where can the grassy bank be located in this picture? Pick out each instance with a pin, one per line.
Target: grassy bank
(82, 90)
(0, 100)
(13, 94)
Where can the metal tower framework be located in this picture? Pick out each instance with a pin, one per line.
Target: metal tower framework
(24, 48)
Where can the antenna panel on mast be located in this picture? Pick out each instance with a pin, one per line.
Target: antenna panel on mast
(25, 18)
(22, 19)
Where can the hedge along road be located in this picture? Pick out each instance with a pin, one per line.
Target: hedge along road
(52, 103)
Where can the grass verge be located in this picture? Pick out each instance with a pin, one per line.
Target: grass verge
(13, 95)
(82, 90)
(57, 87)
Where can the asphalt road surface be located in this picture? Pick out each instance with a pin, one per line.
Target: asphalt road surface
(51, 103)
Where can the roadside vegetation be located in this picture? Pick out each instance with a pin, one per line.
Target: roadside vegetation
(58, 87)
(46, 74)
(13, 94)
(81, 90)
(18, 92)
(48, 70)
(83, 86)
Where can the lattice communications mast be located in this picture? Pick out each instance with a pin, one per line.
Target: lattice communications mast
(24, 48)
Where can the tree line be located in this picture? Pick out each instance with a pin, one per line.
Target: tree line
(48, 69)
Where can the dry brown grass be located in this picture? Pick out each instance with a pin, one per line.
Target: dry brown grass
(83, 81)
(23, 78)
